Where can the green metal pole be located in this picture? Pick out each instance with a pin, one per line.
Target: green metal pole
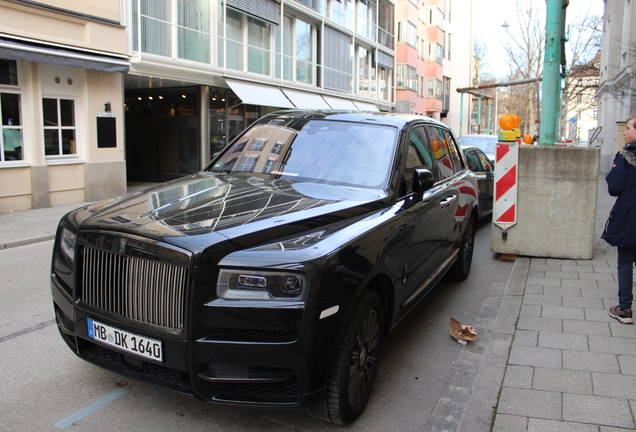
(461, 112)
(489, 116)
(551, 74)
(479, 113)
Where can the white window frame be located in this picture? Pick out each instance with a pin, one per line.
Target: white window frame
(407, 33)
(62, 157)
(13, 89)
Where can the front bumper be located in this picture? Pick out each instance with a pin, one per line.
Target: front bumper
(266, 367)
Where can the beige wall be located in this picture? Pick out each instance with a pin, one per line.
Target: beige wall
(15, 189)
(108, 9)
(104, 87)
(66, 183)
(21, 20)
(96, 172)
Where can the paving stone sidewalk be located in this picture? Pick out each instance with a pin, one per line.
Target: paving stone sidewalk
(571, 367)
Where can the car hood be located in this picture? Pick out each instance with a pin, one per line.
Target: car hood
(230, 205)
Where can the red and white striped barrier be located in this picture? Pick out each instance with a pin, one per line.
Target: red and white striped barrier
(505, 205)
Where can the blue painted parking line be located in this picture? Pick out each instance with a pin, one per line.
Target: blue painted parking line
(64, 423)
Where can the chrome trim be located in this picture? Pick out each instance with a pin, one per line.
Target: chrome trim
(433, 277)
(147, 291)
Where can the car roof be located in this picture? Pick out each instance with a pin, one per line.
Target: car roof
(375, 117)
(479, 136)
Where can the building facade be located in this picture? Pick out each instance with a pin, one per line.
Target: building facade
(203, 70)
(616, 95)
(434, 57)
(61, 102)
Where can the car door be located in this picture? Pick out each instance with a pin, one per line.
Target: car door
(452, 186)
(485, 178)
(428, 217)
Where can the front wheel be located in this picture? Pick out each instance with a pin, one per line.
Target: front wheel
(356, 363)
(461, 268)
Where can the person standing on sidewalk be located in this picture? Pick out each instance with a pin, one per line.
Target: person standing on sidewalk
(620, 228)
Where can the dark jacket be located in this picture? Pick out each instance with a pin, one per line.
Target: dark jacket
(620, 229)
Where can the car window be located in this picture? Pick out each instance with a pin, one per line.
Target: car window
(485, 162)
(440, 151)
(323, 151)
(472, 160)
(453, 151)
(418, 156)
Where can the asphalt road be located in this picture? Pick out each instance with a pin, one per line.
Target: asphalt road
(45, 387)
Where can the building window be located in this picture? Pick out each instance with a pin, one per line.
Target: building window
(59, 126)
(386, 15)
(11, 139)
(435, 52)
(248, 42)
(434, 88)
(385, 76)
(247, 164)
(277, 147)
(365, 71)
(8, 72)
(366, 19)
(436, 17)
(407, 33)
(193, 36)
(407, 77)
(298, 51)
(268, 166)
(257, 145)
(10, 113)
(448, 46)
(401, 76)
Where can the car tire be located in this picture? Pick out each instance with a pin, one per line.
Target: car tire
(356, 363)
(461, 267)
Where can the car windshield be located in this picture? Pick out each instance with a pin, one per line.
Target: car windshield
(306, 150)
(485, 143)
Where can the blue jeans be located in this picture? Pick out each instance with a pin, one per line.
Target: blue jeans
(626, 261)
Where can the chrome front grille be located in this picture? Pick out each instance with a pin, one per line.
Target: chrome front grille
(139, 289)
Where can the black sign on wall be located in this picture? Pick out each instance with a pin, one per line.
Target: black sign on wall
(106, 130)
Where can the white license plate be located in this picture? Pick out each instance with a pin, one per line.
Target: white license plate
(126, 341)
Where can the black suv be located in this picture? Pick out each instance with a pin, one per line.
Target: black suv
(271, 277)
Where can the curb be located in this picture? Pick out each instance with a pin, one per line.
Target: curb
(26, 241)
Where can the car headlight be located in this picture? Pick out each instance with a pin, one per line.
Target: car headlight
(260, 285)
(67, 243)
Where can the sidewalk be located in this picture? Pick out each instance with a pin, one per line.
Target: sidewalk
(555, 360)
(571, 367)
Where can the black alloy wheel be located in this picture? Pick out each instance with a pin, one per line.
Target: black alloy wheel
(461, 268)
(356, 363)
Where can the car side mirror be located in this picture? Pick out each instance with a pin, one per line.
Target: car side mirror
(422, 180)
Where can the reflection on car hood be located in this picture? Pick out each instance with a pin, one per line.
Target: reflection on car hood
(205, 203)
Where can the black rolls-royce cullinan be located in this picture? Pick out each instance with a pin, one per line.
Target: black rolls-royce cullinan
(271, 277)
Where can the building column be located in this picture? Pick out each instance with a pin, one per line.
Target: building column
(204, 126)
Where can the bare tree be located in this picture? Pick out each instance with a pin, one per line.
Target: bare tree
(583, 49)
(480, 53)
(525, 49)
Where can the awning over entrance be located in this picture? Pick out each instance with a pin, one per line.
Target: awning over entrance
(340, 103)
(38, 52)
(306, 100)
(259, 94)
(365, 106)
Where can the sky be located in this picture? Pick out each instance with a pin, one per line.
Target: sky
(489, 15)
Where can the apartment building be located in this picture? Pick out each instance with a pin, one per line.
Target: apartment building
(61, 102)
(203, 70)
(434, 57)
(616, 95)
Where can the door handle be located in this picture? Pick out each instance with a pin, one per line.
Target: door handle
(447, 201)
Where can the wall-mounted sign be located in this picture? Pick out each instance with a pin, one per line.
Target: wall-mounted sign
(106, 130)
